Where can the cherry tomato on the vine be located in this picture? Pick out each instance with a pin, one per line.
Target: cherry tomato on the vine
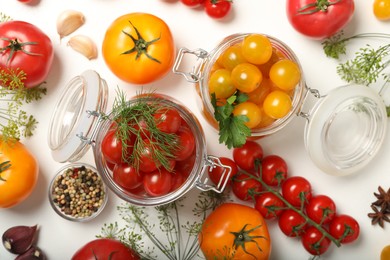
(245, 187)
(217, 8)
(296, 190)
(291, 223)
(314, 241)
(247, 156)
(269, 205)
(274, 170)
(345, 227)
(321, 209)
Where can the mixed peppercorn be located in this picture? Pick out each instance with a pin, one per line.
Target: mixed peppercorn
(78, 192)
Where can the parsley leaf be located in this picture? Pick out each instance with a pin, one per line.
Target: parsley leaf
(232, 129)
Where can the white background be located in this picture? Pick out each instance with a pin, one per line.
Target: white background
(194, 29)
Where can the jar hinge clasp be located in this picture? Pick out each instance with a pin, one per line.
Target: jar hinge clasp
(90, 140)
(205, 184)
(194, 75)
(316, 94)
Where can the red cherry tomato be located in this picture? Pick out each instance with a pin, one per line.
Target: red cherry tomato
(269, 205)
(25, 1)
(314, 241)
(321, 209)
(146, 161)
(291, 223)
(215, 173)
(177, 180)
(158, 183)
(168, 120)
(112, 147)
(244, 187)
(247, 156)
(274, 170)
(186, 143)
(296, 190)
(126, 176)
(192, 3)
(217, 8)
(345, 227)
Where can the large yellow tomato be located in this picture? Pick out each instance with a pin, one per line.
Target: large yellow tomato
(18, 174)
(235, 231)
(139, 48)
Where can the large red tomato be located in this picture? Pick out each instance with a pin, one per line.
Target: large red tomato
(104, 248)
(235, 231)
(25, 47)
(319, 19)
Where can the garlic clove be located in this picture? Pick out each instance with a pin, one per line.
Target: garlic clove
(69, 21)
(19, 239)
(84, 45)
(34, 253)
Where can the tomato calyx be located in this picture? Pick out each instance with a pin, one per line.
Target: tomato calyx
(243, 236)
(140, 45)
(318, 5)
(4, 166)
(15, 46)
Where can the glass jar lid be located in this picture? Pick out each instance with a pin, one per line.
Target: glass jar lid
(345, 129)
(73, 123)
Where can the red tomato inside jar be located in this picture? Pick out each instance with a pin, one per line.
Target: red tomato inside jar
(149, 150)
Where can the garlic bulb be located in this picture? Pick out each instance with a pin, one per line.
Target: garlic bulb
(84, 45)
(69, 21)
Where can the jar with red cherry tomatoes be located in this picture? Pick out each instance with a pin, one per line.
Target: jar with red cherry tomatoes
(79, 121)
(270, 76)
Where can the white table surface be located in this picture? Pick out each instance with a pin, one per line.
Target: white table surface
(193, 29)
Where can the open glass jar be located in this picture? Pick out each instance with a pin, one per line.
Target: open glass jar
(79, 121)
(333, 149)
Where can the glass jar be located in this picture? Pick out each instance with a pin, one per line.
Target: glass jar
(79, 121)
(333, 149)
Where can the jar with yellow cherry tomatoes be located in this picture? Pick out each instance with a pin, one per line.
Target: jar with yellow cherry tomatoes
(252, 85)
(130, 141)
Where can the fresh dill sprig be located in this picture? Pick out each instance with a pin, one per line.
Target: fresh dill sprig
(366, 67)
(134, 119)
(179, 242)
(336, 45)
(15, 122)
(4, 17)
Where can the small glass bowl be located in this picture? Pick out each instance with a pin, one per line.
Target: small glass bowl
(72, 187)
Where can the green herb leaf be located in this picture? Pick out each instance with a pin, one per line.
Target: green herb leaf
(232, 129)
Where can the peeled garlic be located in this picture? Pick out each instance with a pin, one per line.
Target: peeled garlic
(84, 45)
(68, 21)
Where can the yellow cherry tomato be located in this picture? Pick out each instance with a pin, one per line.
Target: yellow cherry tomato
(246, 77)
(221, 84)
(381, 9)
(385, 254)
(285, 74)
(258, 95)
(250, 110)
(231, 57)
(277, 104)
(257, 48)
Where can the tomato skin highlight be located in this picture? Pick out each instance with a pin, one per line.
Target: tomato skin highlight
(216, 238)
(141, 70)
(320, 24)
(38, 63)
(20, 179)
(105, 248)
